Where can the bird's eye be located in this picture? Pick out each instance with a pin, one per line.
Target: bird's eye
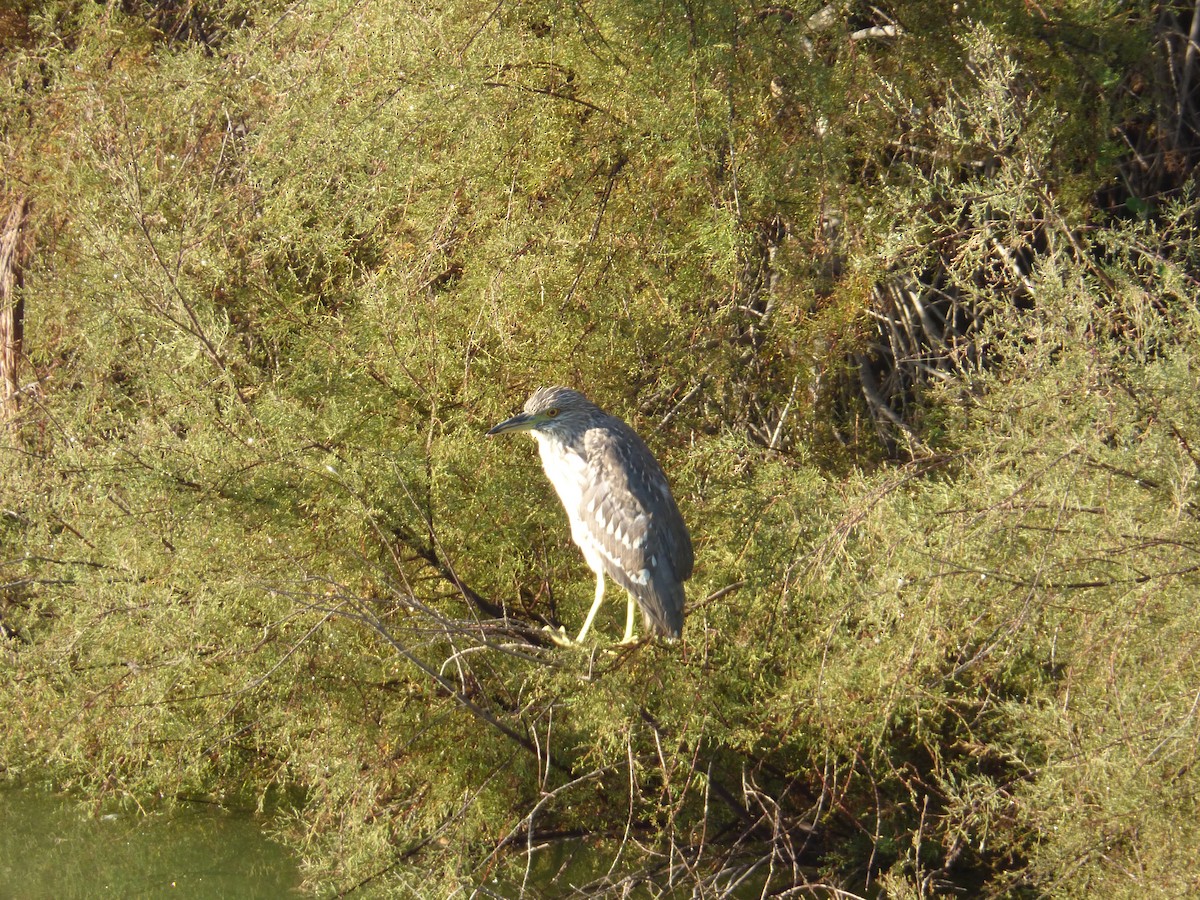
(552, 412)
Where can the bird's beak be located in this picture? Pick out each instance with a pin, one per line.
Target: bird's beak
(522, 422)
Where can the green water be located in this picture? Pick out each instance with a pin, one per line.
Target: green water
(55, 848)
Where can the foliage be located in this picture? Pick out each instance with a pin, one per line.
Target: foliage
(294, 259)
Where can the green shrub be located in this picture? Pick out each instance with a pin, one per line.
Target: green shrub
(294, 260)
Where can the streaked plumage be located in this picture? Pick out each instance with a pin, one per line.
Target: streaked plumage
(617, 498)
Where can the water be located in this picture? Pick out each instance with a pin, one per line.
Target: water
(52, 847)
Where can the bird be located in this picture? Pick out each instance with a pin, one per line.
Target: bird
(623, 516)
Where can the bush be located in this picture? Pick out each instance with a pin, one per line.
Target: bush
(926, 401)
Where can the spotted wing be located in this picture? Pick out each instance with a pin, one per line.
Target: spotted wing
(635, 524)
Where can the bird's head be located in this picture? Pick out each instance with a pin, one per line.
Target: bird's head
(551, 410)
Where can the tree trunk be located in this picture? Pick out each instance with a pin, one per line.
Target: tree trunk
(13, 255)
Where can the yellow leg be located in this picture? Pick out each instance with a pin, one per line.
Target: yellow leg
(629, 638)
(587, 623)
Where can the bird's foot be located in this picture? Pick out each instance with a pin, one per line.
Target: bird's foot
(559, 635)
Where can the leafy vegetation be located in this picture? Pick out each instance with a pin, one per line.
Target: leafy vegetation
(903, 299)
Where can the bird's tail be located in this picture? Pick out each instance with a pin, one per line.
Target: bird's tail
(662, 609)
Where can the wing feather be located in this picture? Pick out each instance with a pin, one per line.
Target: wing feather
(635, 524)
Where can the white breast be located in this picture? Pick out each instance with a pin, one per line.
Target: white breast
(567, 471)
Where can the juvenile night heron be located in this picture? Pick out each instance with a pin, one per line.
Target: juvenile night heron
(622, 514)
